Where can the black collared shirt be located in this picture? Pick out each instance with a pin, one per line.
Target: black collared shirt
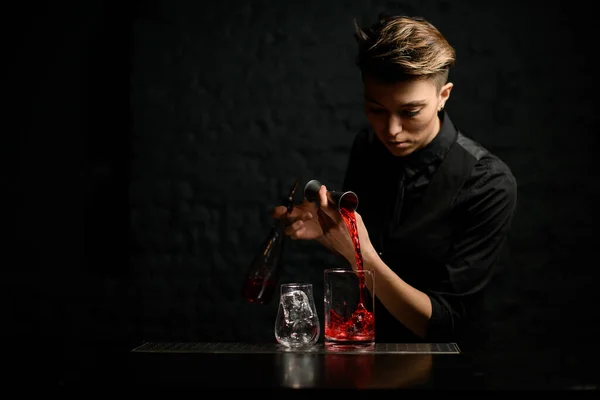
(466, 220)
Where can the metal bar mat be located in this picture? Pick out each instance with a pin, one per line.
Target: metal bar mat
(269, 348)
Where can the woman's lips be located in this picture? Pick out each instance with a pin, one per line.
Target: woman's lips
(398, 144)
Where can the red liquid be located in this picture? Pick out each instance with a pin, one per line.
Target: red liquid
(350, 220)
(359, 327)
(258, 290)
(361, 324)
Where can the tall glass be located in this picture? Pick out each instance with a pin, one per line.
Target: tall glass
(297, 322)
(349, 308)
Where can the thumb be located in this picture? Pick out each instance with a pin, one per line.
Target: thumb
(325, 213)
(324, 204)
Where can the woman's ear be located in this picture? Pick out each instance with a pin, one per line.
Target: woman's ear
(445, 94)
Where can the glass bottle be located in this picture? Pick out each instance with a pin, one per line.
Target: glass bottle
(297, 321)
(263, 273)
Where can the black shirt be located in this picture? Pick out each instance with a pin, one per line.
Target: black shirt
(439, 218)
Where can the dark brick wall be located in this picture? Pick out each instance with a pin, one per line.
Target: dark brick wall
(153, 140)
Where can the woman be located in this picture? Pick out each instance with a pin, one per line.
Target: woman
(435, 206)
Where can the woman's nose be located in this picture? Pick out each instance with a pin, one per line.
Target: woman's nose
(394, 125)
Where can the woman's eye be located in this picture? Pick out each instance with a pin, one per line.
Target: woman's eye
(403, 113)
(409, 114)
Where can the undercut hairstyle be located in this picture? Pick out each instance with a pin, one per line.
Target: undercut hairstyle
(402, 48)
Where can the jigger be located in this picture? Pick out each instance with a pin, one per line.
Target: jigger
(341, 200)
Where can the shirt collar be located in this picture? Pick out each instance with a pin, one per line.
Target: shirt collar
(437, 148)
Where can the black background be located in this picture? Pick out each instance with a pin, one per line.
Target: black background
(146, 143)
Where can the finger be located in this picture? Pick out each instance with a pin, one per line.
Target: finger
(278, 211)
(292, 229)
(325, 206)
(281, 212)
(299, 216)
(296, 213)
(298, 234)
(323, 196)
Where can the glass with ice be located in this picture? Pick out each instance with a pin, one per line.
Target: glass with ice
(297, 322)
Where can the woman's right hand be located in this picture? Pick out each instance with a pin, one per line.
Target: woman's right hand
(323, 223)
(301, 223)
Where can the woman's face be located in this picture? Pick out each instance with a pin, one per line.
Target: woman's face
(404, 115)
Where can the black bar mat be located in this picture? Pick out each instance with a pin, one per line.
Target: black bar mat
(269, 348)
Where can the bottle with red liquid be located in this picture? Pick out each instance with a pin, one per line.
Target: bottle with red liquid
(260, 281)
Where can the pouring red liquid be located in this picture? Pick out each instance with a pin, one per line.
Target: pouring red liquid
(361, 324)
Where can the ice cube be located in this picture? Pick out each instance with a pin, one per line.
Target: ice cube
(296, 306)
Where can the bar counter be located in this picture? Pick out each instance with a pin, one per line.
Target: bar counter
(269, 366)
(386, 365)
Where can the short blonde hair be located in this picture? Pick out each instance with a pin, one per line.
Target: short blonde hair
(404, 48)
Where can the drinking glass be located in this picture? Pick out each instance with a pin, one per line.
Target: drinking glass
(297, 322)
(349, 306)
